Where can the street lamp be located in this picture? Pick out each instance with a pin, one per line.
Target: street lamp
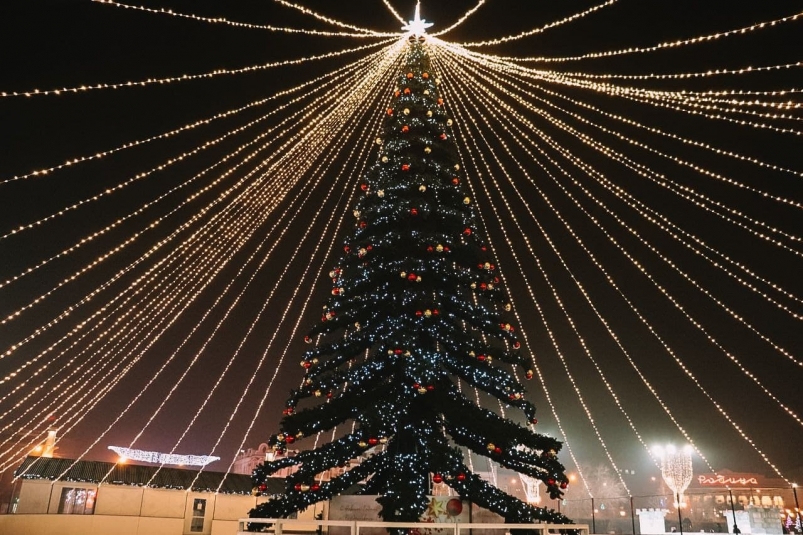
(676, 470)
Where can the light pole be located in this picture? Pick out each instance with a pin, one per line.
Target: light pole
(676, 469)
(733, 510)
(797, 507)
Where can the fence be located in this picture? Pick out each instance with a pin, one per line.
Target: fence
(279, 526)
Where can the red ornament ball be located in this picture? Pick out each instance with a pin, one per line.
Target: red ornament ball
(425, 76)
(390, 111)
(407, 91)
(414, 211)
(405, 167)
(409, 75)
(437, 478)
(373, 441)
(564, 484)
(497, 450)
(297, 487)
(315, 487)
(405, 129)
(461, 477)
(364, 187)
(263, 487)
(454, 506)
(455, 181)
(467, 232)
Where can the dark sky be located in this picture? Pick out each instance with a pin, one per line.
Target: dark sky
(66, 43)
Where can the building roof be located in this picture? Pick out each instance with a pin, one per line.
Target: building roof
(139, 475)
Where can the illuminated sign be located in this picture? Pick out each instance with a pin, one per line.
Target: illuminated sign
(162, 458)
(721, 481)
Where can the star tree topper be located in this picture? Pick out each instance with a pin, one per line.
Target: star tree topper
(417, 26)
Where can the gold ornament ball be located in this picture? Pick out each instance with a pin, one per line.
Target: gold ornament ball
(384, 159)
(403, 274)
(380, 193)
(439, 248)
(467, 200)
(427, 313)
(422, 188)
(422, 390)
(429, 113)
(379, 141)
(406, 111)
(427, 150)
(449, 122)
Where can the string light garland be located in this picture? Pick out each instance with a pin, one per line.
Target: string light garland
(267, 301)
(87, 239)
(520, 135)
(652, 330)
(328, 20)
(202, 122)
(461, 20)
(221, 20)
(536, 31)
(297, 148)
(692, 195)
(533, 360)
(666, 44)
(732, 313)
(393, 11)
(686, 75)
(512, 249)
(188, 77)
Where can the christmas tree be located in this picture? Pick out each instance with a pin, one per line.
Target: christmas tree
(416, 311)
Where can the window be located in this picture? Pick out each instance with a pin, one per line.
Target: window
(198, 512)
(77, 501)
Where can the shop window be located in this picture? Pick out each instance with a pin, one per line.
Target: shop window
(77, 501)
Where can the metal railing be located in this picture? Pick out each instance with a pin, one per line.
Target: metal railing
(279, 526)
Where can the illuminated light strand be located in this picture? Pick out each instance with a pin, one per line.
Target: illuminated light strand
(683, 274)
(287, 310)
(577, 282)
(669, 350)
(634, 202)
(719, 151)
(83, 241)
(466, 135)
(135, 178)
(221, 20)
(300, 150)
(561, 78)
(684, 75)
(486, 121)
(336, 149)
(201, 122)
(663, 181)
(175, 233)
(80, 405)
(644, 96)
(694, 102)
(525, 337)
(542, 29)
(264, 134)
(326, 19)
(687, 141)
(678, 161)
(666, 44)
(461, 20)
(394, 13)
(789, 105)
(187, 77)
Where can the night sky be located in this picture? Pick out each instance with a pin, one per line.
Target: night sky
(67, 43)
